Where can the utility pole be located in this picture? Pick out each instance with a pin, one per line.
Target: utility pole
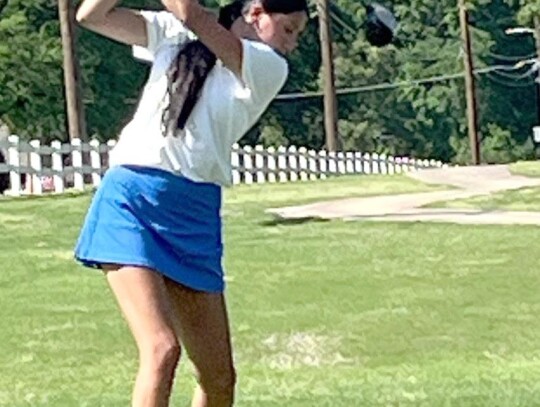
(472, 113)
(330, 100)
(536, 36)
(74, 106)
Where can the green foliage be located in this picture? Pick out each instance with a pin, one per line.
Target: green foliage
(529, 9)
(31, 100)
(425, 119)
(421, 119)
(500, 147)
(112, 83)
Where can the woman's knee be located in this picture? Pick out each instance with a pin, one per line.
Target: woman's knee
(161, 353)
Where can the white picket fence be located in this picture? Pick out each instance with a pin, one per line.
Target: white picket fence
(34, 168)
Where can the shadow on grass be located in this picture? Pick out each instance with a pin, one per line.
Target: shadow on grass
(434, 212)
(277, 221)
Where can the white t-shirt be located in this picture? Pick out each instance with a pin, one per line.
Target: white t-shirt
(227, 108)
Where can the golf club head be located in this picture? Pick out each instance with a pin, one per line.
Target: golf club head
(380, 26)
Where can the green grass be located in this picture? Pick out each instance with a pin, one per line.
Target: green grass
(523, 199)
(527, 168)
(332, 188)
(339, 314)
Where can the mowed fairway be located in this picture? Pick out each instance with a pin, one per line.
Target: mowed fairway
(523, 199)
(337, 314)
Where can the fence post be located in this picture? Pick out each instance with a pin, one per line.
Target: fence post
(399, 165)
(406, 166)
(303, 163)
(349, 162)
(323, 164)
(375, 159)
(259, 164)
(341, 162)
(110, 145)
(367, 164)
(271, 159)
(332, 163)
(35, 164)
(282, 163)
(57, 166)
(14, 162)
(76, 154)
(293, 164)
(235, 163)
(383, 167)
(391, 165)
(358, 163)
(312, 165)
(248, 165)
(95, 162)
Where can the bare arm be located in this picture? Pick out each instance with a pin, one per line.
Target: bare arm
(223, 43)
(120, 24)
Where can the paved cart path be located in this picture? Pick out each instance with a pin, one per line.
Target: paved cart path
(466, 181)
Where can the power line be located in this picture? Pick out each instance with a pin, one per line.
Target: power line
(394, 85)
(339, 29)
(519, 77)
(343, 23)
(509, 58)
(500, 57)
(506, 84)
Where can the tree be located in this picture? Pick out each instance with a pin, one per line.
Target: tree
(30, 51)
(406, 118)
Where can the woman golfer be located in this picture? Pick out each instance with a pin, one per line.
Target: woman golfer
(154, 224)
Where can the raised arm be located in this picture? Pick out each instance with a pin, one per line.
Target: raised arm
(120, 24)
(224, 44)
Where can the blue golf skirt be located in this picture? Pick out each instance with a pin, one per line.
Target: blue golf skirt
(152, 218)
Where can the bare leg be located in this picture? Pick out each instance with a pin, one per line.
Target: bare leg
(144, 300)
(204, 332)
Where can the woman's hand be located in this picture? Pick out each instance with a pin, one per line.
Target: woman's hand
(223, 43)
(181, 8)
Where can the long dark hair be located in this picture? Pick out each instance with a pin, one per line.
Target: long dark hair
(189, 70)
